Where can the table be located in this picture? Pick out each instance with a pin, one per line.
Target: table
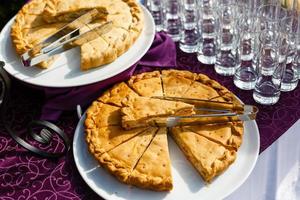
(277, 172)
(24, 176)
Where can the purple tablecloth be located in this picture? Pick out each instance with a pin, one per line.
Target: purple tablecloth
(23, 176)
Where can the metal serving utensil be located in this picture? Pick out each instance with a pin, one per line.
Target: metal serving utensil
(217, 112)
(66, 38)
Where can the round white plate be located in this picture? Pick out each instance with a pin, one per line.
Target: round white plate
(65, 71)
(187, 182)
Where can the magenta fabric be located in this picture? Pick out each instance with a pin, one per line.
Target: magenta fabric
(24, 176)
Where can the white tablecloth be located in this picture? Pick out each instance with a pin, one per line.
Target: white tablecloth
(276, 175)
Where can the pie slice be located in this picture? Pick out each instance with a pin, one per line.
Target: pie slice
(101, 140)
(209, 158)
(147, 84)
(153, 171)
(106, 48)
(117, 94)
(206, 88)
(95, 53)
(68, 10)
(121, 160)
(137, 110)
(101, 115)
(176, 83)
(219, 133)
(119, 40)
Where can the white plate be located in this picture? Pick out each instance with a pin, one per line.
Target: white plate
(187, 182)
(65, 71)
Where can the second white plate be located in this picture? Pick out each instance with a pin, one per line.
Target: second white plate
(65, 71)
(187, 182)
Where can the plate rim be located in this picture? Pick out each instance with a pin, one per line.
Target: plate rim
(106, 196)
(74, 83)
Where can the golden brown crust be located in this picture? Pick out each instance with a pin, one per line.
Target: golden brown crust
(118, 40)
(137, 110)
(210, 148)
(29, 29)
(209, 158)
(102, 115)
(28, 13)
(219, 133)
(223, 93)
(117, 94)
(176, 82)
(126, 16)
(147, 84)
(121, 160)
(153, 171)
(205, 88)
(101, 140)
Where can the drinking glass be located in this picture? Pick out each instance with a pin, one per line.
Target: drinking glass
(296, 61)
(208, 24)
(173, 19)
(156, 8)
(270, 68)
(190, 32)
(270, 14)
(245, 74)
(289, 31)
(190, 4)
(227, 38)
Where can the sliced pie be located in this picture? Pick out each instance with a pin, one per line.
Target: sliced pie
(39, 19)
(101, 115)
(176, 83)
(126, 16)
(117, 94)
(220, 133)
(209, 158)
(147, 84)
(139, 156)
(121, 160)
(137, 110)
(153, 171)
(101, 140)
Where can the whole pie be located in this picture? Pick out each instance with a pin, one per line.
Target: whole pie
(39, 19)
(137, 154)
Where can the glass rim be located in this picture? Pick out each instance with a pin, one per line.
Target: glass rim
(274, 5)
